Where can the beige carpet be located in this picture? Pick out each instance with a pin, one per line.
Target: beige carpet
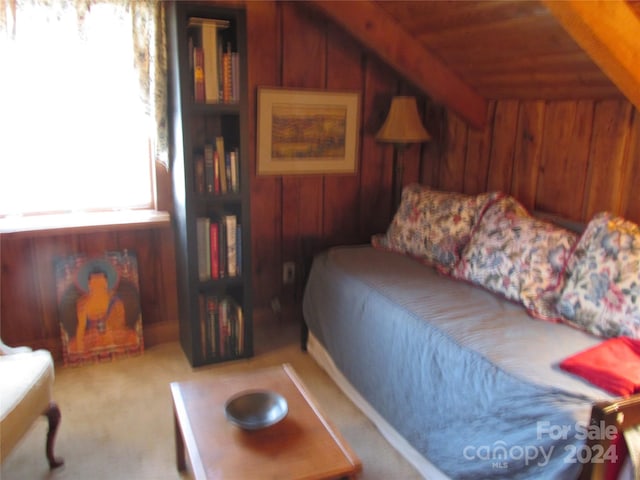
(117, 417)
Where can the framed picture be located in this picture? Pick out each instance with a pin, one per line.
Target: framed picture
(303, 132)
(99, 306)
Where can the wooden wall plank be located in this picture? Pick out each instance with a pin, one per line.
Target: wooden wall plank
(478, 155)
(437, 124)
(630, 207)
(305, 66)
(342, 192)
(607, 161)
(526, 162)
(503, 145)
(45, 251)
(451, 173)
(19, 317)
(565, 152)
(376, 160)
(264, 28)
(411, 159)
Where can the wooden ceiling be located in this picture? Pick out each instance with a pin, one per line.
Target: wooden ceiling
(507, 49)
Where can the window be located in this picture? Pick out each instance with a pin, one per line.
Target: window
(81, 94)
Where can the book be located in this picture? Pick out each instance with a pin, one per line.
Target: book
(223, 170)
(198, 170)
(210, 48)
(199, 21)
(227, 80)
(209, 43)
(214, 240)
(239, 318)
(198, 75)
(235, 77)
(230, 222)
(202, 240)
(209, 168)
(233, 160)
(239, 248)
(227, 167)
(216, 173)
(212, 324)
(222, 248)
(204, 328)
(224, 327)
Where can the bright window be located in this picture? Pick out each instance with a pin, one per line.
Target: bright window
(78, 132)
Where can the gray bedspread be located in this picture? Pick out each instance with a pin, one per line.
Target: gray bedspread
(468, 378)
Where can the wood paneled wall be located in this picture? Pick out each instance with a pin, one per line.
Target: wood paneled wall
(28, 303)
(289, 46)
(573, 158)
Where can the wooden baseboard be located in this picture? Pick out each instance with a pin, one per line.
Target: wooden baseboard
(162, 332)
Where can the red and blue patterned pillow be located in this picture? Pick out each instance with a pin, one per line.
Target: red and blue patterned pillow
(517, 256)
(601, 293)
(433, 226)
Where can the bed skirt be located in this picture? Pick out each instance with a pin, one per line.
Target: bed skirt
(397, 441)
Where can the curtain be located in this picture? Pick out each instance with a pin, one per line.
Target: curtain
(148, 34)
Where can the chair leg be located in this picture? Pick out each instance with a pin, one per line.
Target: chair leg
(53, 415)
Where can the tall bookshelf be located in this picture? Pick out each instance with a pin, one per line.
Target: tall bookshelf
(210, 177)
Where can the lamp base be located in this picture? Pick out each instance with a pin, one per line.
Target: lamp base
(397, 174)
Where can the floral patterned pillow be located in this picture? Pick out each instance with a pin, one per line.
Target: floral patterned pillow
(601, 293)
(433, 226)
(517, 256)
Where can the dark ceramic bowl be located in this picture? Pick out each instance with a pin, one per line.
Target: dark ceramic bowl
(255, 409)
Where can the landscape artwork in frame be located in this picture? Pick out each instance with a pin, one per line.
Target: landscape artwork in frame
(99, 307)
(307, 131)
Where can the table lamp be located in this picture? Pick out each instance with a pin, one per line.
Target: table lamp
(401, 127)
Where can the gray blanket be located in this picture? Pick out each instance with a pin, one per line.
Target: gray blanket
(468, 378)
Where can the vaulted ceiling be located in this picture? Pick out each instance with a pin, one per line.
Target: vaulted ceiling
(463, 53)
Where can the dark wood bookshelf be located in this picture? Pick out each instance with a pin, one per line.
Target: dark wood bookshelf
(192, 125)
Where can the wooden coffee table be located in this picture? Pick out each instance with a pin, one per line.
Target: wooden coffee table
(303, 445)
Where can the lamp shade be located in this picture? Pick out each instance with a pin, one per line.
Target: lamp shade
(403, 124)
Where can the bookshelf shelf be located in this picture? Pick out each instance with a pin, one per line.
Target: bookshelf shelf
(210, 178)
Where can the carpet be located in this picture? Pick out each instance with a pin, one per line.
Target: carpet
(117, 418)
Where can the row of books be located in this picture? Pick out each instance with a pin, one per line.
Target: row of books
(221, 326)
(217, 171)
(219, 243)
(214, 65)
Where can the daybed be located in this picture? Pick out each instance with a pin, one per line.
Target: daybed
(26, 381)
(453, 354)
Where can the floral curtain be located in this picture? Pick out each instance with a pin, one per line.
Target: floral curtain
(149, 40)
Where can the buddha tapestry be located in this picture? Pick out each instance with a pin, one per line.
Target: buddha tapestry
(99, 307)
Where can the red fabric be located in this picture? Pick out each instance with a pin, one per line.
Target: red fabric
(613, 365)
(613, 468)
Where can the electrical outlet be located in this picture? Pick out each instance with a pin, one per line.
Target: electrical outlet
(288, 273)
(275, 305)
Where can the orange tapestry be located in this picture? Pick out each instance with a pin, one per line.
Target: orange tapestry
(99, 307)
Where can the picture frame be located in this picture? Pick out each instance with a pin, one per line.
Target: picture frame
(306, 132)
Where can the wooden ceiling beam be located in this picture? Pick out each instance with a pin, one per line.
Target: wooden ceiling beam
(609, 31)
(378, 31)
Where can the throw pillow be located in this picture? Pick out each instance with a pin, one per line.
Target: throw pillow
(517, 256)
(602, 287)
(433, 226)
